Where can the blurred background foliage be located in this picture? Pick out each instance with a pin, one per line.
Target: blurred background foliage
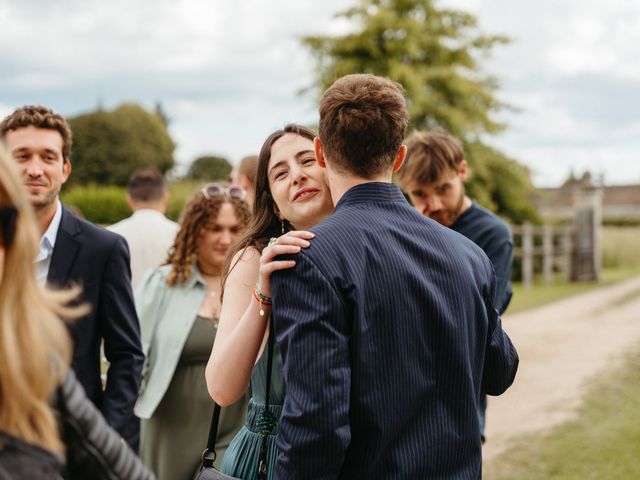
(210, 168)
(105, 205)
(435, 53)
(108, 146)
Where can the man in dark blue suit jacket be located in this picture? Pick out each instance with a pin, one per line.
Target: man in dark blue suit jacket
(387, 323)
(76, 252)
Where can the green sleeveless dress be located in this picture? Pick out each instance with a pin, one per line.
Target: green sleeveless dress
(173, 439)
(241, 458)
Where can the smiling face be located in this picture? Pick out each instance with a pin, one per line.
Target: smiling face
(442, 200)
(38, 154)
(297, 182)
(216, 239)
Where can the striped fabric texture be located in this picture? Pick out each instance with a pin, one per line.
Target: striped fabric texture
(388, 336)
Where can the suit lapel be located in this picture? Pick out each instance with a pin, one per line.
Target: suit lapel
(65, 249)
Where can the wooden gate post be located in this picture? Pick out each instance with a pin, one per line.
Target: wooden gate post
(527, 255)
(547, 254)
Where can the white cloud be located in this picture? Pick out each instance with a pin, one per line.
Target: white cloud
(227, 73)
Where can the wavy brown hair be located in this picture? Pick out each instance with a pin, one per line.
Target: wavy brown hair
(200, 213)
(363, 119)
(35, 349)
(39, 117)
(265, 223)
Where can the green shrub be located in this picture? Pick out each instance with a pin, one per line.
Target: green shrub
(106, 205)
(99, 204)
(179, 194)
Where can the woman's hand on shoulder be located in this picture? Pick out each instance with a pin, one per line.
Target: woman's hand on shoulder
(289, 243)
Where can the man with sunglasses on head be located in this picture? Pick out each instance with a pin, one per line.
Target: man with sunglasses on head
(148, 232)
(74, 251)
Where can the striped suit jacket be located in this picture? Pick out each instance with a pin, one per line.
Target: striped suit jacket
(389, 335)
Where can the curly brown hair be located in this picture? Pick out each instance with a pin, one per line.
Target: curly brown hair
(39, 117)
(200, 213)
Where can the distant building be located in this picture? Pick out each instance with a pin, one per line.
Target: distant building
(620, 203)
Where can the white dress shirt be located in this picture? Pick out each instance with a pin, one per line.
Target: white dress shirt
(150, 235)
(47, 242)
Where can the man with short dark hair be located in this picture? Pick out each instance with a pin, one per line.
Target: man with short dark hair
(73, 251)
(433, 175)
(244, 176)
(386, 323)
(148, 232)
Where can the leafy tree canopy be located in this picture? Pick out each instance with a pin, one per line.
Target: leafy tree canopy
(210, 168)
(110, 145)
(435, 54)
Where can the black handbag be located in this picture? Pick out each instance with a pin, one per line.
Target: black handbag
(207, 471)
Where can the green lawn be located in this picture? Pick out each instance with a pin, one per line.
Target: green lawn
(602, 443)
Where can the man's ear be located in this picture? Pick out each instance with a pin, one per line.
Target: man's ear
(317, 146)
(244, 182)
(463, 170)
(400, 156)
(130, 203)
(66, 170)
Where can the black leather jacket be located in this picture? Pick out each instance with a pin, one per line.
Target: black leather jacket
(20, 460)
(94, 449)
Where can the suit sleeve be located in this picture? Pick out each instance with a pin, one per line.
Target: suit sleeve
(312, 330)
(121, 333)
(501, 358)
(500, 252)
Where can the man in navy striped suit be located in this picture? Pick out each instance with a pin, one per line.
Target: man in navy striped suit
(387, 323)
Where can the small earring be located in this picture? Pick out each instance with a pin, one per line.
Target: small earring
(282, 225)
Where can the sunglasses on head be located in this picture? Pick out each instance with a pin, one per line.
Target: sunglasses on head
(213, 190)
(8, 216)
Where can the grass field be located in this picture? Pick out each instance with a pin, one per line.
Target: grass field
(603, 442)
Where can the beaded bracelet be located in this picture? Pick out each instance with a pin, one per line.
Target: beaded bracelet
(263, 300)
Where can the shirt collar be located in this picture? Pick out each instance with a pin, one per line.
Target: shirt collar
(372, 192)
(147, 212)
(48, 240)
(195, 277)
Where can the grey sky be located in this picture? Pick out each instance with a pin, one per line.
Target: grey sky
(227, 73)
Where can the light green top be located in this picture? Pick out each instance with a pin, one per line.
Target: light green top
(166, 317)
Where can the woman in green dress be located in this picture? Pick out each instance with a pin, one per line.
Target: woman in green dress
(291, 197)
(178, 306)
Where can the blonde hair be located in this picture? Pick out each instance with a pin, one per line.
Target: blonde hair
(35, 347)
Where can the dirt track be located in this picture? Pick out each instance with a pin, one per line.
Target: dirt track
(560, 346)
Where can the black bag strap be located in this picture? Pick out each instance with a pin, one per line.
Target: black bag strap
(262, 459)
(210, 453)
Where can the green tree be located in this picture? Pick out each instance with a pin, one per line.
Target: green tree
(210, 168)
(434, 53)
(110, 145)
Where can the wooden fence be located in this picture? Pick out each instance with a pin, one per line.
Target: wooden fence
(552, 244)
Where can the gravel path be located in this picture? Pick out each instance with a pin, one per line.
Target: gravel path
(560, 346)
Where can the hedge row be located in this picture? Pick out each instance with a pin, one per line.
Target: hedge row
(107, 205)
